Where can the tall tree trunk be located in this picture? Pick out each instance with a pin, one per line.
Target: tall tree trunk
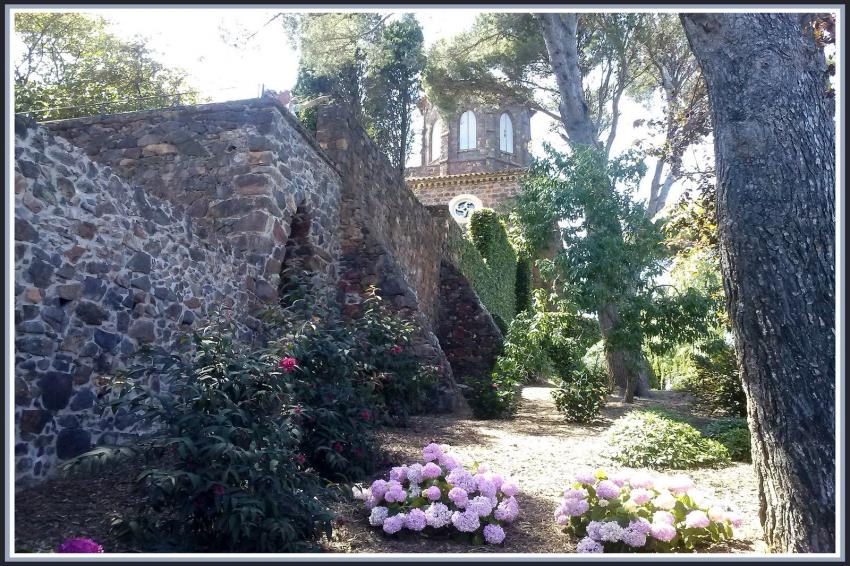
(559, 34)
(774, 140)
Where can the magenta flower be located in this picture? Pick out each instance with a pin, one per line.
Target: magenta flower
(396, 349)
(458, 496)
(80, 545)
(431, 471)
(415, 520)
(394, 524)
(509, 488)
(218, 489)
(287, 364)
(431, 452)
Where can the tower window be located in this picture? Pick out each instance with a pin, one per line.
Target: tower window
(436, 140)
(467, 132)
(506, 134)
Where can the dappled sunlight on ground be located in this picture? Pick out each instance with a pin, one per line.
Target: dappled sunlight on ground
(542, 452)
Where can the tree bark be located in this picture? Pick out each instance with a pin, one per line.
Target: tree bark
(775, 153)
(559, 34)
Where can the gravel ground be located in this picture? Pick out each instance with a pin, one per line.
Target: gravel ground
(538, 448)
(541, 452)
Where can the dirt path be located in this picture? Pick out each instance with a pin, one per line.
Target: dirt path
(542, 452)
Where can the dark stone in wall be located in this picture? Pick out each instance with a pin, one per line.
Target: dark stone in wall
(56, 389)
(72, 442)
(91, 313)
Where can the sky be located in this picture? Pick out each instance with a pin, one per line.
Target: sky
(193, 39)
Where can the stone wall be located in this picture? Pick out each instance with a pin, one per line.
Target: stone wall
(103, 266)
(240, 170)
(134, 229)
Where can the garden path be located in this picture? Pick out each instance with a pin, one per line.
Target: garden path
(542, 452)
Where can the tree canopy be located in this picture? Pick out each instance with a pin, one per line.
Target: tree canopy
(71, 66)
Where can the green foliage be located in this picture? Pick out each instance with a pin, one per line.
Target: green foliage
(487, 232)
(372, 67)
(496, 293)
(70, 60)
(716, 383)
(392, 85)
(241, 440)
(581, 396)
(222, 465)
(651, 439)
(734, 434)
(351, 376)
(523, 283)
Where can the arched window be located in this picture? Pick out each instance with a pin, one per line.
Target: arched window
(506, 134)
(436, 140)
(467, 131)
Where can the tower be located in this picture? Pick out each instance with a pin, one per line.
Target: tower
(477, 153)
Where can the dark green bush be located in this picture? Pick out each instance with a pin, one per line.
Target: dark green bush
(581, 396)
(734, 434)
(223, 466)
(650, 439)
(716, 384)
(351, 375)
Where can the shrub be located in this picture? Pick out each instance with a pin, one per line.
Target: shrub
(581, 396)
(351, 375)
(734, 434)
(223, 469)
(647, 438)
(439, 496)
(716, 384)
(638, 513)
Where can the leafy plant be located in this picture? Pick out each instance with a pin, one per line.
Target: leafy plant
(716, 384)
(581, 396)
(650, 439)
(634, 512)
(223, 468)
(734, 434)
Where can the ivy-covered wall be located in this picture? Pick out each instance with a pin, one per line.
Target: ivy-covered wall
(488, 261)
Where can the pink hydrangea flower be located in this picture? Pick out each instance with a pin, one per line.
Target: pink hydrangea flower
(586, 476)
(507, 510)
(458, 496)
(663, 531)
(494, 534)
(716, 514)
(509, 488)
(641, 479)
(80, 546)
(431, 471)
(571, 493)
(378, 489)
(574, 507)
(459, 477)
(466, 521)
(735, 518)
(633, 537)
(415, 520)
(431, 452)
(593, 530)
(641, 525)
(664, 500)
(663, 517)
(697, 520)
(480, 505)
(414, 473)
(640, 496)
(394, 524)
(679, 485)
(432, 493)
(399, 473)
(587, 545)
(607, 489)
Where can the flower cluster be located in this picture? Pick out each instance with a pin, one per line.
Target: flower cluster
(439, 494)
(629, 512)
(80, 545)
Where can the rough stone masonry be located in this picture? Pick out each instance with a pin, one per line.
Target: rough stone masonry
(133, 229)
